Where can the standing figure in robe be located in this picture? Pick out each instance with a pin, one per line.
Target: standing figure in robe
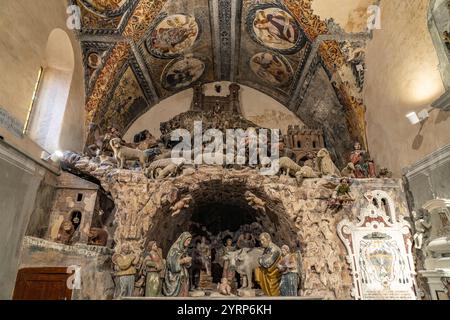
(125, 264)
(360, 160)
(176, 280)
(229, 272)
(267, 274)
(288, 267)
(279, 27)
(196, 266)
(154, 265)
(205, 252)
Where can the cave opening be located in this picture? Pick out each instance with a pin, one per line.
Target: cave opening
(217, 210)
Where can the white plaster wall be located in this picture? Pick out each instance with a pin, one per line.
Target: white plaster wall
(256, 106)
(403, 76)
(24, 30)
(25, 26)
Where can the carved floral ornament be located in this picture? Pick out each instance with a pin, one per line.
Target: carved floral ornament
(379, 251)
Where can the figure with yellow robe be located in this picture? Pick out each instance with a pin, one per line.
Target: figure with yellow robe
(267, 274)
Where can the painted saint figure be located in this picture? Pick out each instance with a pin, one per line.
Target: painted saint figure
(288, 267)
(364, 166)
(154, 265)
(267, 275)
(176, 280)
(125, 262)
(276, 28)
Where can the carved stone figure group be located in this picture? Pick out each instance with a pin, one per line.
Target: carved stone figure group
(168, 277)
(275, 270)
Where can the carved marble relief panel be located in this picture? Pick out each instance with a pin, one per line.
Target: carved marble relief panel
(379, 248)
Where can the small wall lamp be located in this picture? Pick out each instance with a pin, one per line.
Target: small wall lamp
(415, 118)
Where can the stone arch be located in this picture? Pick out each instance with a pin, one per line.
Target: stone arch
(221, 199)
(161, 209)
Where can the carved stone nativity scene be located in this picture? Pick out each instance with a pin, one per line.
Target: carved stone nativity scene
(296, 203)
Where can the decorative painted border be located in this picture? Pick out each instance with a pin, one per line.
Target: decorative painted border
(301, 41)
(107, 13)
(127, 12)
(89, 47)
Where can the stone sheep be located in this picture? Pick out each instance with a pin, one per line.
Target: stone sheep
(326, 165)
(288, 166)
(306, 172)
(349, 171)
(163, 168)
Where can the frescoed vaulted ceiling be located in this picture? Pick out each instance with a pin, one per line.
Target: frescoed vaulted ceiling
(138, 52)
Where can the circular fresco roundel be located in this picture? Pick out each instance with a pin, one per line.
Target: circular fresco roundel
(276, 29)
(182, 72)
(271, 67)
(173, 35)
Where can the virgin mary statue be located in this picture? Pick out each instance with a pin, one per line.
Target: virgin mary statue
(176, 280)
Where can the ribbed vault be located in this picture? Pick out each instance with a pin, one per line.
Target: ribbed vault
(138, 52)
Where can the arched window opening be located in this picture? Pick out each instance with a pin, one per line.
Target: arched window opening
(47, 111)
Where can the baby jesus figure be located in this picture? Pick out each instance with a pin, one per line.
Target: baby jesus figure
(224, 287)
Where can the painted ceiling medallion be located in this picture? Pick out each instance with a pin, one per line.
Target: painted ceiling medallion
(107, 8)
(272, 68)
(182, 72)
(276, 29)
(94, 60)
(173, 35)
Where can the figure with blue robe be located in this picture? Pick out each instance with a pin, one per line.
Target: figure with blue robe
(176, 280)
(288, 267)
